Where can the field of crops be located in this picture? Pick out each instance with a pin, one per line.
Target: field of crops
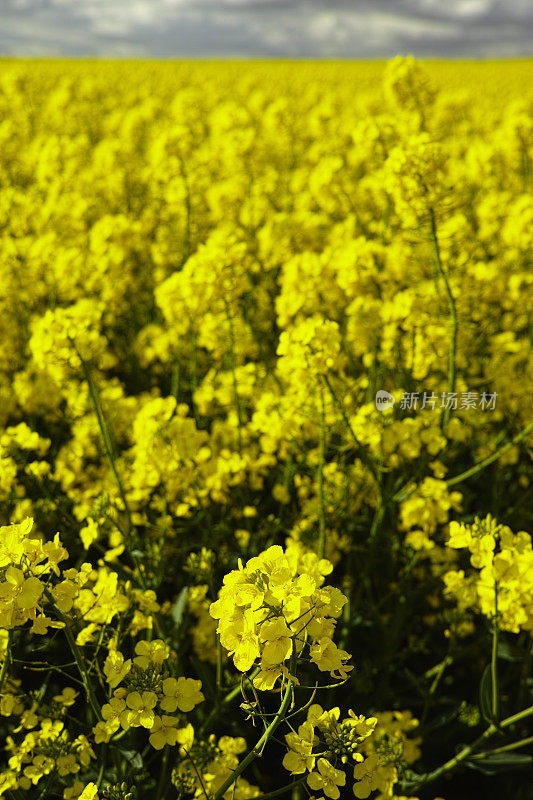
(266, 429)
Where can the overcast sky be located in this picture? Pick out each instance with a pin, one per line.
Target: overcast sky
(268, 28)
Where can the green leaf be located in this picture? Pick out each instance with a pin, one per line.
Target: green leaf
(498, 762)
(478, 766)
(205, 675)
(179, 608)
(509, 652)
(507, 759)
(133, 757)
(485, 695)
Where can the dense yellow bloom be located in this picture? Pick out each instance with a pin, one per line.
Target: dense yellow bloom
(289, 585)
(207, 274)
(501, 584)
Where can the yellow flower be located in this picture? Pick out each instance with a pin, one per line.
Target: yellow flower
(55, 552)
(267, 676)
(371, 774)
(115, 668)
(12, 538)
(67, 697)
(163, 732)
(364, 774)
(89, 533)
(148, 653)
(84, 750)
(41, 624)
(103, 731)
(26, 591)
(281, 494)
(327, 779)
(67, 764)
(112, 714)
(328, 658)
(276, 636)
(300, 758)
(183, 693)
(141, 709)
(185, 738)
(73, 792)
(64, 594)
(90, 792)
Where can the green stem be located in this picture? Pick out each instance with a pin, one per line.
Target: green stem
(104, 431)
(367, 461)
(257, 750)
(527, 712)
(287, 788)
(438, 672)
(430, 777)
(234, 377)
(494, 659)
(226, 701)
(494, 457)
(505, 748)
(453, 314)
(78, 657)
(6, 662)
(376, 521)
(320, 480)
(198, 775)
(402, 494)
(161, 789)
(103, 761)
(106, 439)
(193, 372)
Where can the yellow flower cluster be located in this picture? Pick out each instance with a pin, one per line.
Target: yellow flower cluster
(148, 698)
(208, 289)
(324, 745)
(24, 562)
(63, 339)
(32, 584)
(501, 584)
(47, 750)
(323, 739)
(273, 607)
(208, 763)
(387, 750)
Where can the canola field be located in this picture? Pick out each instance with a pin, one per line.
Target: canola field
(266, 428)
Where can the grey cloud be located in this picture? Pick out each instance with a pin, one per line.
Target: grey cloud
(267, 28)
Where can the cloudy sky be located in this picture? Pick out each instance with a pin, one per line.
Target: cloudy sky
(268, 28)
